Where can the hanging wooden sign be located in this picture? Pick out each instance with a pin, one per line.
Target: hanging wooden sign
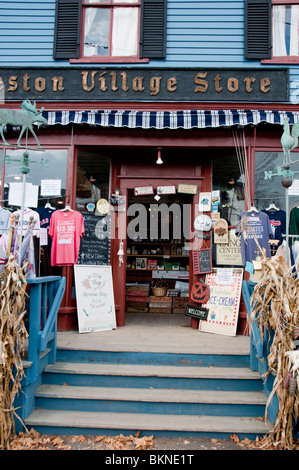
(220, 231)
(202, 261)
(200, 292)
(193, 311)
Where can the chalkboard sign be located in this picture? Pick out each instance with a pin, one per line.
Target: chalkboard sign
(202, 261)
(200, 313)
(95, 243)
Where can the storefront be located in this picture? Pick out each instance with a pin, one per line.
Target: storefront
(217, 160)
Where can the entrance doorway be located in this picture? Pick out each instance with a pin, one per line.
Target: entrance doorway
(158, 254)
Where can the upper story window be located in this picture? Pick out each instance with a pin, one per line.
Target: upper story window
(272, 30)
(110, 30)
(285, 29)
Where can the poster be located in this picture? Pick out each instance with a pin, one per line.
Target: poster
(229, 254)
(95, 298)
(224, 302)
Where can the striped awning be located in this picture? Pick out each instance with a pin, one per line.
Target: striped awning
(186, 119)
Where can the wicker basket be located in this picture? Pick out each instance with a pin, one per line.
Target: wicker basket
(159, 291)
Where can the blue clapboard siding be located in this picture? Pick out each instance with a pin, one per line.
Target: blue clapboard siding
(199, 33)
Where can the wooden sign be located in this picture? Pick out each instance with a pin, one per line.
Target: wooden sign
(193, 311)
(200, 292)
(187, 188)
(229, 254)
(143, 190)
(95, 298)
(166, 190)
(202, 261)
(220, 231)
(223, 304)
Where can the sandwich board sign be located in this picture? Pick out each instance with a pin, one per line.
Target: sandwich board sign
(224, 301)
(95, 298)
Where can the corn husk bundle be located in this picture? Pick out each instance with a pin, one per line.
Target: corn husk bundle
(12, 337)
(275, 307)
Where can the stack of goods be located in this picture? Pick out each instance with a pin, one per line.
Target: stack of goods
(160, 304)
(137, 297)
(179, 304)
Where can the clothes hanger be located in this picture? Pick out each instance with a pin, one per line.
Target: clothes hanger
(67, 208)
(253, 209)
(48, 206)
(272, 207)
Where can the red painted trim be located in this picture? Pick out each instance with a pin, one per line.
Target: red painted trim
(145, 106)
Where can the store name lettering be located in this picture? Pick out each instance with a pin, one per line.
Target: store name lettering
(120, 81)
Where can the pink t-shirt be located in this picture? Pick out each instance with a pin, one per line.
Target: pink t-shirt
(66, 229)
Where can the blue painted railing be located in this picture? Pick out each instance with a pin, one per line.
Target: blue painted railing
(259, 351)
(45, 296)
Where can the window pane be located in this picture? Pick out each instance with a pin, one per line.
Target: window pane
(125, 25)
(96, 31)
(125, 1)
(285, 30)
(43, 166)
(268, 177)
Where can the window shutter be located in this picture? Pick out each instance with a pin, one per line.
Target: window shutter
(67, 29)
(257, 29)
(153, 29)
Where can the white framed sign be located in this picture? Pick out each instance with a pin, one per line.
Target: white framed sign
(50, 187)
(95, 298)
(143, 190)
(166, 190)
(224, 302)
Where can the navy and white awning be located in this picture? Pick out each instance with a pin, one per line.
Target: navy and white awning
(185, 119)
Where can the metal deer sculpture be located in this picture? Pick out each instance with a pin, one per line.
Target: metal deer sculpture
(24, 118)
(289, 140)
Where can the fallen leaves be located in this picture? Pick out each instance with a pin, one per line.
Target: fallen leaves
(33, 440)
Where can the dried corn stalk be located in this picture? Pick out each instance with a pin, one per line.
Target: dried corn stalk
(275, 305)
(12, 337)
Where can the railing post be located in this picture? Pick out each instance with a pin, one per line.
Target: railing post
(34, 328)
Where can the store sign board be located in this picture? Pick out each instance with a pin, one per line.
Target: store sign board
(143, 190)
(229, 254)
(187, 188)
(166, 190)
(223, 304)
(95, 298)
(146, 84)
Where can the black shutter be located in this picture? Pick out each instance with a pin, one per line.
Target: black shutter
(257, 29)
(67, 29)
(153, 29)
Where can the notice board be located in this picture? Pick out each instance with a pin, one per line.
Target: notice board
(95, 243)
(95, 298)
(223, 305)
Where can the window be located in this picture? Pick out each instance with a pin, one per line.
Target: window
(272, 30)
(285, 28)
(105, 28)
(110, 30)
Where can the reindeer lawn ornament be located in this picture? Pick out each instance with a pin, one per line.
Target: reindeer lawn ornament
(24, 118)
